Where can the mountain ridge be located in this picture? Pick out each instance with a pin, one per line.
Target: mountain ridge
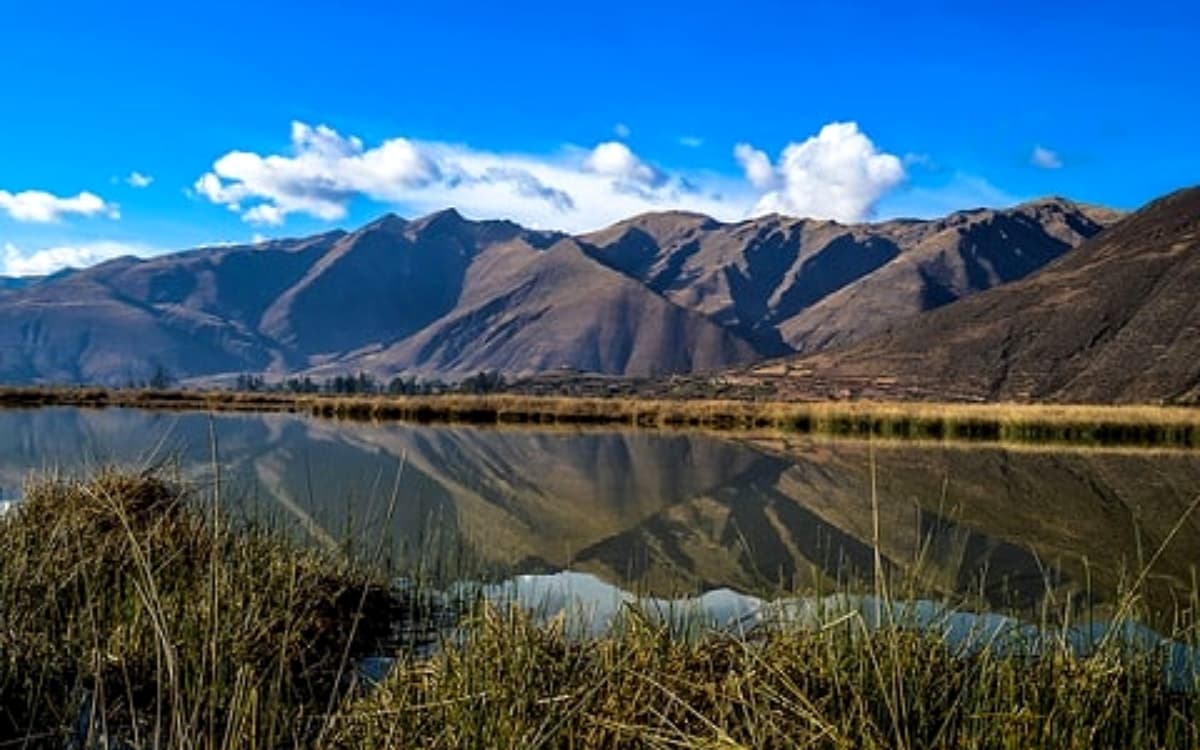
(442, 295)
(1116, 320)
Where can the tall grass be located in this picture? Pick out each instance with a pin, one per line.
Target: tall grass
(516, 683)
(1144, 425)
(128, 614)
(132, 616)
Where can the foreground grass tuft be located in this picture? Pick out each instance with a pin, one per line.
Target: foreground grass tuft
(126, 614)
(516, 684)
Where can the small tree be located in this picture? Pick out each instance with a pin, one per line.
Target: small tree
(161, 379)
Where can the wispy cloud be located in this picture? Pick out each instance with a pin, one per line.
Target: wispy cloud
(691, 141)
(621, 130)
(39, 206)
(956, 193)
(138, 180)
(1045, 158)
(44, 261)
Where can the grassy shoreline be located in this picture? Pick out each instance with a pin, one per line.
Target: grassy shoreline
(999, 423)
(131, 616)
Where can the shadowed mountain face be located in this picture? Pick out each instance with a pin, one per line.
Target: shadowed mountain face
(9, 282)
(531, 310)
(443, 296)
(802, 285)
(667, 512)
(1116, 320)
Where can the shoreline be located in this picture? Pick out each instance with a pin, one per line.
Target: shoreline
(1102, 425)
(1151, 426)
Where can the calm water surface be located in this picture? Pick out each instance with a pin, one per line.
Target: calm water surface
(665, 513)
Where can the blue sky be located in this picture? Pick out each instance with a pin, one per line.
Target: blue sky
(268, 119)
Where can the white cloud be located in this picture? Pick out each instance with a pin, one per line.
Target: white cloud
(621, 130)
(614, 159)
(757, 166)
(14, 262)
(691, 141)
(41, 207)
(836, 174)
(574, 190)
(1045, 158)
(138, 180)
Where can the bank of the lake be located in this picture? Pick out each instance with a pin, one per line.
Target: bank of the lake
(1144, 425)
(131, 615)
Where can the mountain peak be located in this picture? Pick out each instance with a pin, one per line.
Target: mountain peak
(389, 221)
(444, 219)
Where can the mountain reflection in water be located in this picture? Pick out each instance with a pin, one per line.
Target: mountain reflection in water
(671, 512)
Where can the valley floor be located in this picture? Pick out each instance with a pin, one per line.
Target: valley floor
(1136, 425)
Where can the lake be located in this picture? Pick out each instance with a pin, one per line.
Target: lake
(669, 513)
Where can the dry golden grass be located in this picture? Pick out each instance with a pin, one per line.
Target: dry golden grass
(1003, 422)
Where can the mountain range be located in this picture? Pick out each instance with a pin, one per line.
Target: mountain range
(1115, 320)
(657, 294)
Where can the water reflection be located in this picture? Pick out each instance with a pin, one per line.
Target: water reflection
(670, 512)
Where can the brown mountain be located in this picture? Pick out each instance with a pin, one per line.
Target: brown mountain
(437, 295)
(793, 284)
(1117, 320)
(658, 294)
(525, 310)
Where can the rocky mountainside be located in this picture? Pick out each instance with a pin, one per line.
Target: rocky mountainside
(791, 284)
(1117, 320)
(657, 294)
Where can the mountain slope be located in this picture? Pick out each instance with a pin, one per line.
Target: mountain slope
(792, 284)
(190, 313)
(13, 282)
(522, 311)
(383, 282)
(1116, 320)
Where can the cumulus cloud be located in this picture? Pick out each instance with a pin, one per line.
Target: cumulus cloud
(615, 159)
(14, 262)
(757, 166)
(838, 174)
(1045, 158)
(39, 206)
(138, 180)
(577, 189)
(319, 179)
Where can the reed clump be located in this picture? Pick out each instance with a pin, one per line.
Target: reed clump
(131, 618)
(515, 683)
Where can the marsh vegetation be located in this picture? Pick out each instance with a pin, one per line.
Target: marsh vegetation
(133, 613)
(1141, 425)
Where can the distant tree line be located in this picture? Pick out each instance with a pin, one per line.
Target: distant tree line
(365, 383)
(160, 380)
